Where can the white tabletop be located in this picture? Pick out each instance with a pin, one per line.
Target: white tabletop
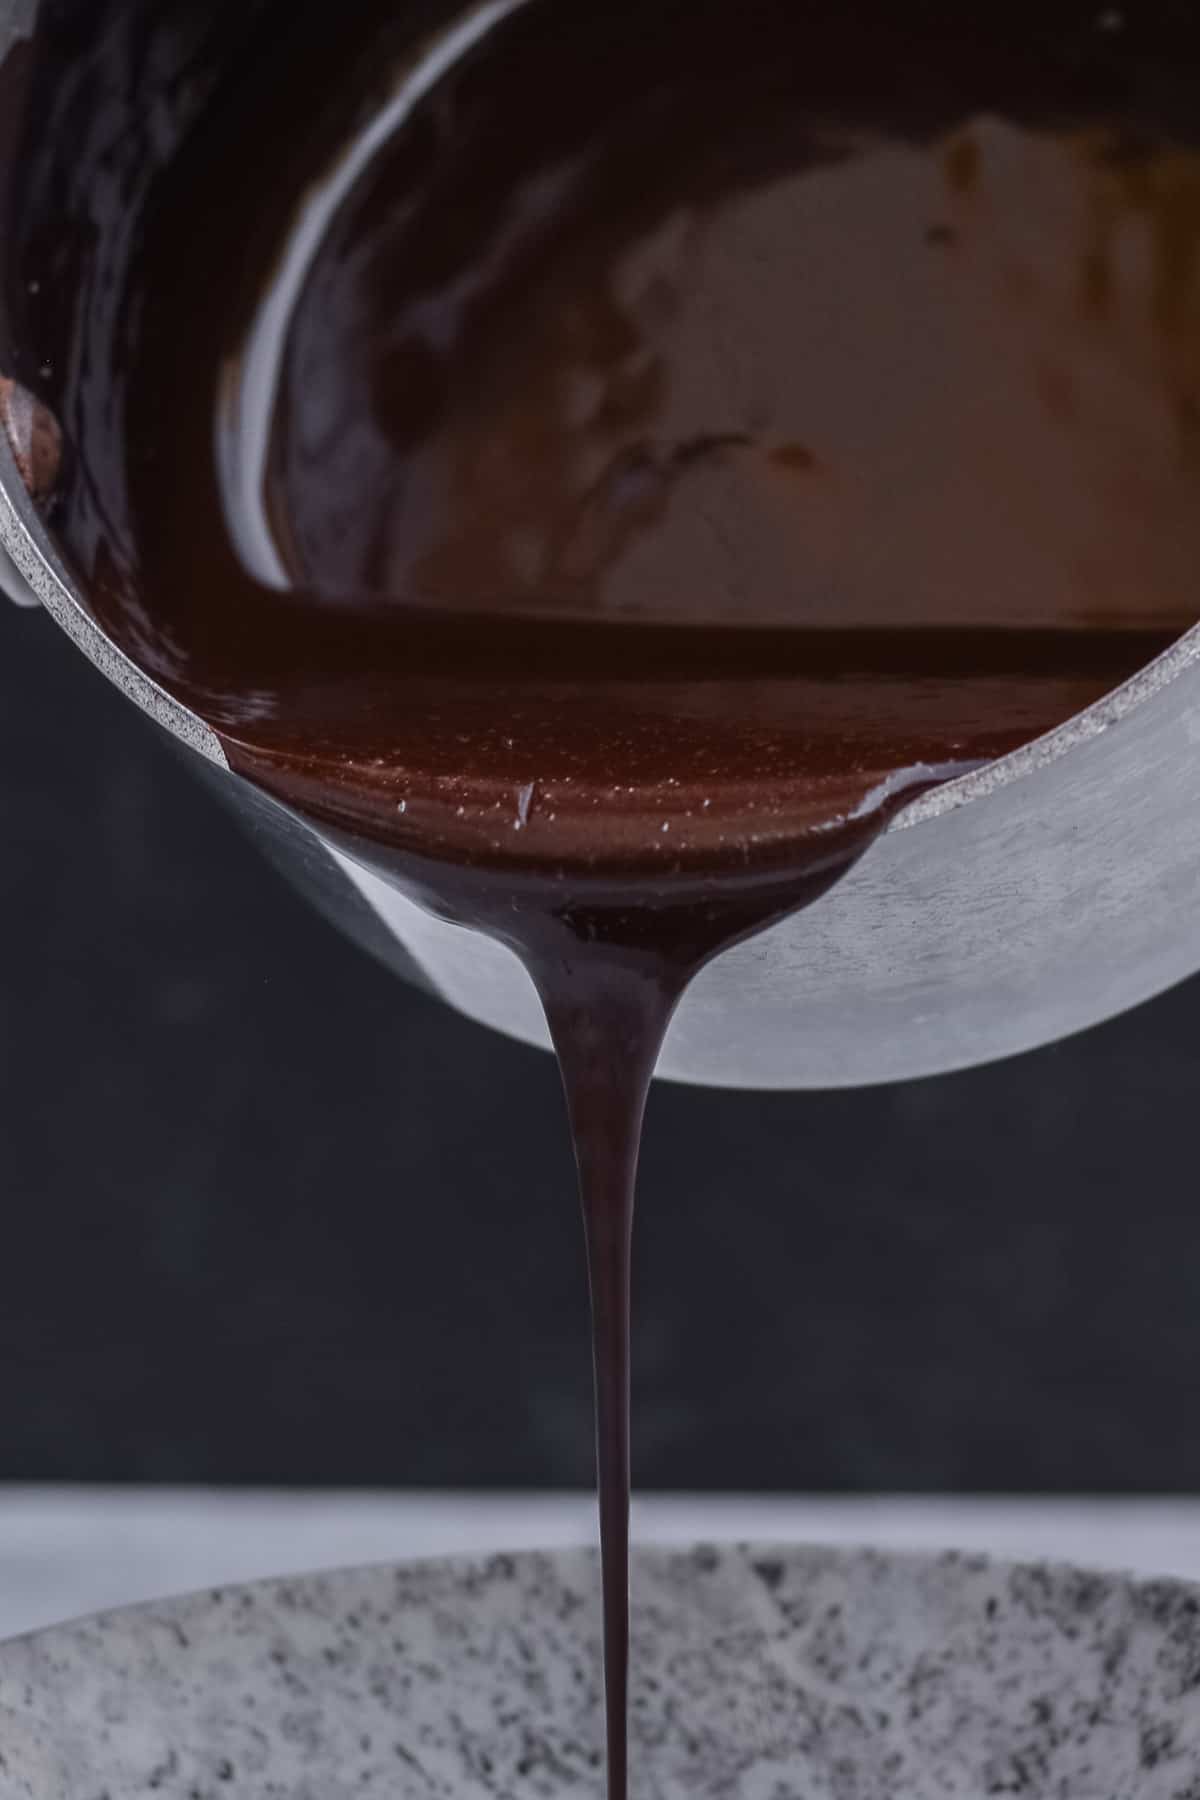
(64, 1552)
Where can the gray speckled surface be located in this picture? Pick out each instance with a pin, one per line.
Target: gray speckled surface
(765, 1674)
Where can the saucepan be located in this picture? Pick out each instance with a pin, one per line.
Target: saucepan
(1021, 903)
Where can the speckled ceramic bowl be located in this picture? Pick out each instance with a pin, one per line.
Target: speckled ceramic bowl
(761, 1674)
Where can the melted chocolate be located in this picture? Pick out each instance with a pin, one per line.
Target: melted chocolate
(598, 498)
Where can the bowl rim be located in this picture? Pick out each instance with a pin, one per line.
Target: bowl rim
(466, 1568)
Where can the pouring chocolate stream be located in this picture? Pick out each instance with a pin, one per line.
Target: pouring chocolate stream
(679, 439)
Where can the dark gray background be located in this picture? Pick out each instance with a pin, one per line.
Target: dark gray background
(269, 1216)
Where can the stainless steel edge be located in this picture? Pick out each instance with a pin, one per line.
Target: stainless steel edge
(1141, 688)
(12, 585)
(1062, 891)
(27, 544)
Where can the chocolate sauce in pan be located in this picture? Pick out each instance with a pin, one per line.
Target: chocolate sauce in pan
(598, 462)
